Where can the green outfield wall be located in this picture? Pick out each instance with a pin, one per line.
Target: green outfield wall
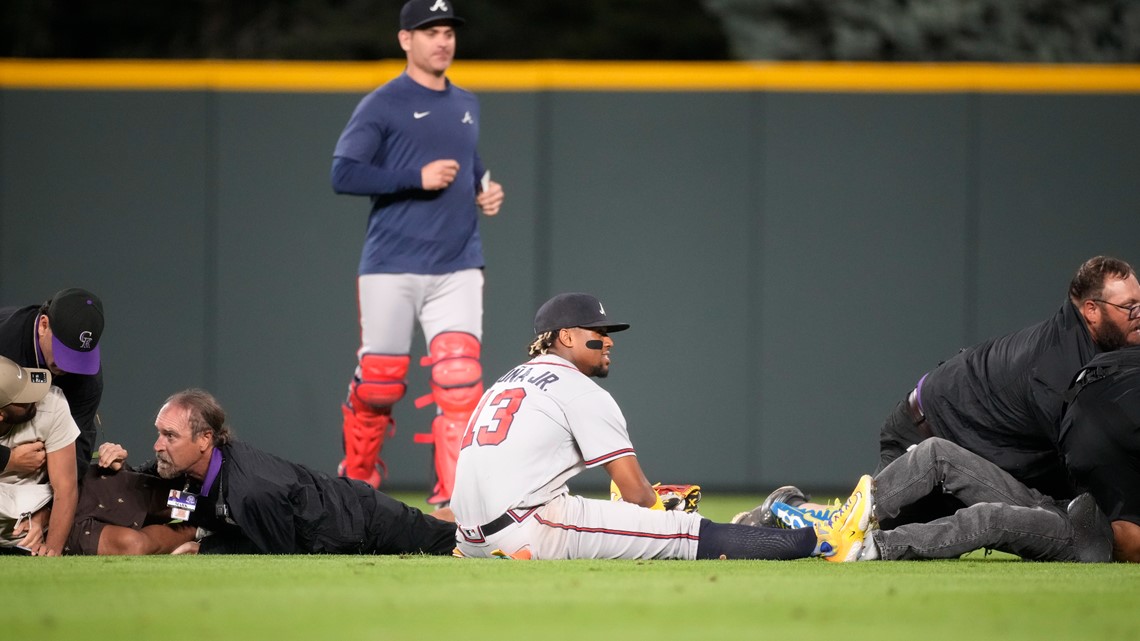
(794, 245)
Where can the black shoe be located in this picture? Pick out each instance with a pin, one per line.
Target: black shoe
(762, 516)
(1092, 532)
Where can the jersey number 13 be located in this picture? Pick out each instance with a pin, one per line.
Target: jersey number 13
(505, 404)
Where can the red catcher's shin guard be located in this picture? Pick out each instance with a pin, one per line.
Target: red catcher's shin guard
(456, 386)
(368, 415)
(364, 434)
(446, 433)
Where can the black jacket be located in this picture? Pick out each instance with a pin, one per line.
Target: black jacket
(83, 393)
(262, 504)
(1002, 399)
(1100, 433)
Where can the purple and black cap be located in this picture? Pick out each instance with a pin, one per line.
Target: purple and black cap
(76, 320)
(574, 310)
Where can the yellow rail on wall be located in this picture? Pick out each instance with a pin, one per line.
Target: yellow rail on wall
(560, 75)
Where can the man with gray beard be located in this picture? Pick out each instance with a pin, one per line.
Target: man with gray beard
(245, 501)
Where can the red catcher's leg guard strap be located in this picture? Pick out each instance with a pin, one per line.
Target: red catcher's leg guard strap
(368, 415)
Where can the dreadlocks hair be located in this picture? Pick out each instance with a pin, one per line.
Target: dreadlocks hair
(541, 343)
(1089, 279)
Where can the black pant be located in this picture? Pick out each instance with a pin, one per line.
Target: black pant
(396, 528)
(898, 433)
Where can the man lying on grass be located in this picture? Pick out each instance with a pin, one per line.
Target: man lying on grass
(241, 500)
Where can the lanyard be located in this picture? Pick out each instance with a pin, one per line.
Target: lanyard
(182, 503)
(212, 471)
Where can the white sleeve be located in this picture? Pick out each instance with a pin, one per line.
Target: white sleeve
(599, 428)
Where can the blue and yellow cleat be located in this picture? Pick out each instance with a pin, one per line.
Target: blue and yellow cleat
(841, 538)
(793, 518)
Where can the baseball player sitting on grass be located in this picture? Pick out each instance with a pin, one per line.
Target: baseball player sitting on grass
(545, 421)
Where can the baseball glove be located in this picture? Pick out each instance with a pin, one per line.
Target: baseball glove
(679, 497)
(684, 498)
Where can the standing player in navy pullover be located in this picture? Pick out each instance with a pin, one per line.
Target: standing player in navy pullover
(411, 146)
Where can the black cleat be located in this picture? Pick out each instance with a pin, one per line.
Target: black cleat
(1092, 532)
(762, 516)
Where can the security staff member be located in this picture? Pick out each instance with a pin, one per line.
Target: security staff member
(1100, 441)
(251, 502)
(1002, 399)
(61, 335)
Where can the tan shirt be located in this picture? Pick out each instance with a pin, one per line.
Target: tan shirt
(20, 493)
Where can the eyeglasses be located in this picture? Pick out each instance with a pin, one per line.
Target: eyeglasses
(1133, 310)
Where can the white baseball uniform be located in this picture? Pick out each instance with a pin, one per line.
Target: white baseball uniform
(538, 426)
(390, 304)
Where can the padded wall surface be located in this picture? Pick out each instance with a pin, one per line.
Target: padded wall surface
(791, 263)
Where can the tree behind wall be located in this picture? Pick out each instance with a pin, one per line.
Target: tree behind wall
(355, 29)
(933, 30)
(890, 30)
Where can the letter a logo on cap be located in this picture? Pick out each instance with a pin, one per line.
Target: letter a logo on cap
(439, 5)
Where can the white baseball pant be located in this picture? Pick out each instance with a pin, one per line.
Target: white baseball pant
(573, 527)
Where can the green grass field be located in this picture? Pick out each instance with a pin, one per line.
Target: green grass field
(351, 598)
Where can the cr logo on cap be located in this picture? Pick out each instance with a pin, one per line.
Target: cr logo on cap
(85, 340)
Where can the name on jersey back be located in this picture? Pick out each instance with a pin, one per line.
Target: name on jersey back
(525, 373)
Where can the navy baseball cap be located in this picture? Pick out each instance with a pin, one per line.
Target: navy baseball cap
(76, 320)
(574, 310)
(419, 13)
